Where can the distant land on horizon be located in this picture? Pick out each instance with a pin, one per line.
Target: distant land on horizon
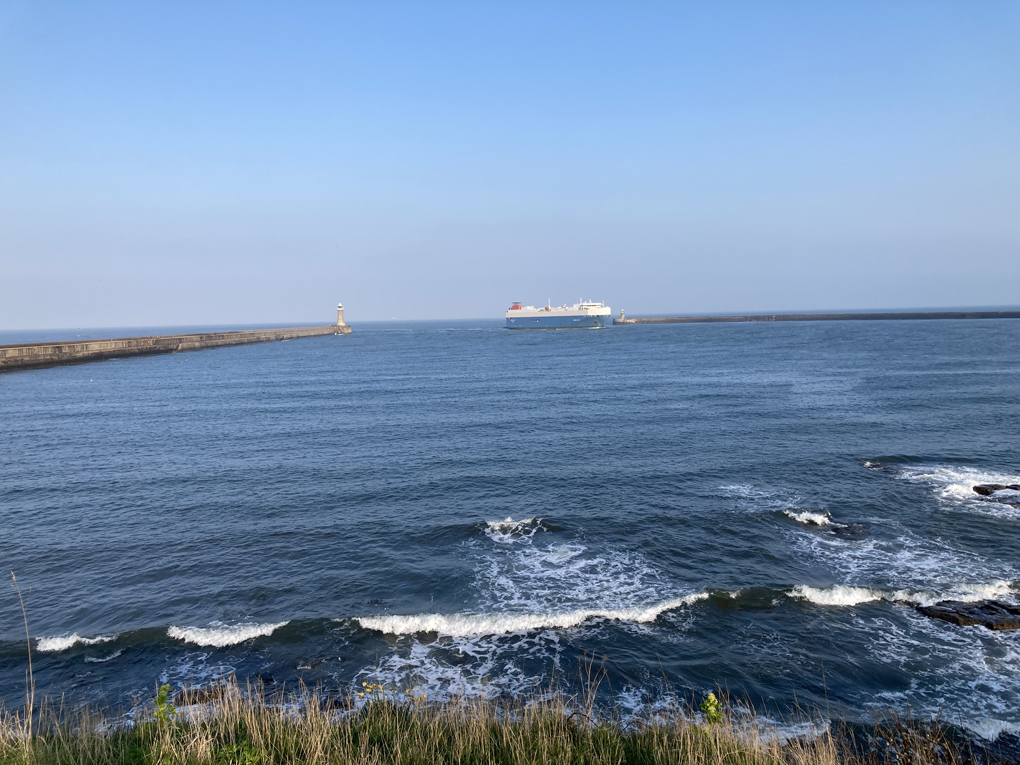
(46, 334)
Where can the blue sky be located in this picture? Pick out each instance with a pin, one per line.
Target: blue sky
(189, 163)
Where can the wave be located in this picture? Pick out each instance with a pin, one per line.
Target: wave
(956, 484)
(810, 518)
(544, 575)
(508, 531)
(970, 593)
(62, 643)
(219, 635)
(849, 595)
(839, 595)
(752, 498)
(465, 625)
(528, 586)
(104, 659)
(907, 562)
(990, 729)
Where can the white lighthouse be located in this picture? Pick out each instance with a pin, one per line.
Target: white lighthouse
(341, 325)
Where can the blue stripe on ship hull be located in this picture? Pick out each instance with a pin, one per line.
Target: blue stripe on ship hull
(558, 322)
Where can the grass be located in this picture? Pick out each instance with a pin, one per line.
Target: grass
(242, 726)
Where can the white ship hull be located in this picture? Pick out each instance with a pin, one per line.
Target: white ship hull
(579, 316)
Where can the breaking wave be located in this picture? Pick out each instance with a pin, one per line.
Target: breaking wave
(840, 595)
(62, 643)
(848, 595)
(956, 484)
(219, 635)
(810, 518)
(465, 625)
(509, 531)
(527, 588)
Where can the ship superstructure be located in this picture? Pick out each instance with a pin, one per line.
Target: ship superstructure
(581, 315)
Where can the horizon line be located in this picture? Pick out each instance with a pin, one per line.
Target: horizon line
(918, 309)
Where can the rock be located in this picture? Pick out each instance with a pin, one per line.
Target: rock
(853, 530)
(987, 489)
(993, 614)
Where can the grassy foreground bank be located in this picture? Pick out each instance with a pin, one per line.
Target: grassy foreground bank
(246, 728)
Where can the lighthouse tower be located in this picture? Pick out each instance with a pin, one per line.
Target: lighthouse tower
(341, 325)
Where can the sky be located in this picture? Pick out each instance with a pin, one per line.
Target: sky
(183, 163)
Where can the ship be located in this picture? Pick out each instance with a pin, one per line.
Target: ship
(582, 315)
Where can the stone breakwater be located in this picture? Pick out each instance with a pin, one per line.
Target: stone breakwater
(888, 316)
(38, 355)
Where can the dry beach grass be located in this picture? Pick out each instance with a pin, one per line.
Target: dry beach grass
(244, 726)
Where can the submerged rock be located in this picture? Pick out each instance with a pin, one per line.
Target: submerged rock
(993, 614)
(854, 530)
(987, 489)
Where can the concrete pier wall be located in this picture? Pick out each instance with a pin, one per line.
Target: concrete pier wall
(890, 316)
(37, 355)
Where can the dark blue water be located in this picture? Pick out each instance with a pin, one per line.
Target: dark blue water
(455, 508)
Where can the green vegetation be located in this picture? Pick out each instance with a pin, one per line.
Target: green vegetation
(234, 726)
(163, 709)
(712, 709)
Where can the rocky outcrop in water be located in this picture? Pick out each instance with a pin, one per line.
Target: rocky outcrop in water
(993, 614)
(987, 489)
(990, 492)
(853, 530)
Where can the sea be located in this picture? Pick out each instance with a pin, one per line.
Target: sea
(454, 509)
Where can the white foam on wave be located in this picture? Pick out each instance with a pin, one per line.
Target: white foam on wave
(464, 625)
(990, 729)
(810, 518)
(849, 595)
(479, 667)
(557, 577)
(955, 483)
(920, 569)
(839, 595)
(790, 504)
(964, 674)
(509, 531)
(64, 642)
(219, 635)
(528, 588)
(968, 673)
(974, 592)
